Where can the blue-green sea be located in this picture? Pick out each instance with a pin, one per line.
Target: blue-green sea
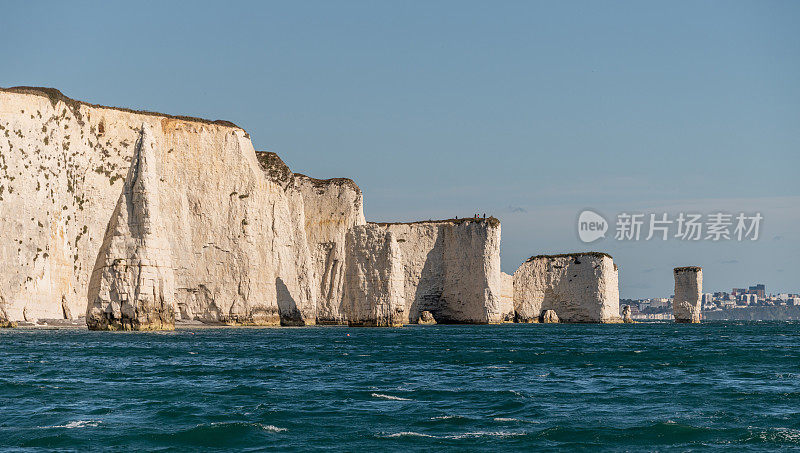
(662, 387)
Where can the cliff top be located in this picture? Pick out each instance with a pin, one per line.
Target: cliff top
(274, 166)
(55, 95)
(571, 255)
(280, 172)
(328, 182)
(491, 220)
(687, 269)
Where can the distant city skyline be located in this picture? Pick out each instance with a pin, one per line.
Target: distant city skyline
(531, 112)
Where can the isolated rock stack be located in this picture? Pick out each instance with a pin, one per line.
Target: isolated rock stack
(626, 314)
(132, 285)
(687, 303)
(579, 287)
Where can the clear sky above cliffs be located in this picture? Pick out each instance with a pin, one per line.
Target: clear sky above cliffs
(526, 111)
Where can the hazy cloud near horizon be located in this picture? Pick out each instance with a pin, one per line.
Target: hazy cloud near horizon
(527, 111)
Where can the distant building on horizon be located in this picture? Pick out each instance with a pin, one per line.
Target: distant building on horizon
(759, 289)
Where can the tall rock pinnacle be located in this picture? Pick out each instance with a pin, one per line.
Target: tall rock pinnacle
(132, 285)
(687, 303)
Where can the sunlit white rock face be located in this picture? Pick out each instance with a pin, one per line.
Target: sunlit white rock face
(62, 168)
(132, 286)
(687, 303)
(247, 241)
(332, 207)
(506, 307)
(314, 216)
(374, 293)
(452, 269)
(581, 287)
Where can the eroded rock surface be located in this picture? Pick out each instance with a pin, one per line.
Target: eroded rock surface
(452, 269)
(5, 323)
(549, 317)
(426, 318)
(332, 208)
(133, 285)
(374, 295)
(506, 298)
(62, 167)
(316, 216)
(250, 242)
(687, 303)
(580, 287)
(626, 314)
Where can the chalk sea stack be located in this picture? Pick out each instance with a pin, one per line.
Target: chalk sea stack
(687, 302)
(626, 314)
(580, 287)
(452, 269)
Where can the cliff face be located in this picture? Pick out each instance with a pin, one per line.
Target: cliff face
(374, 293)
(506, 297)
(332, 207)
(62, 167)
(318, 214)
(578, 287)
(132, 286)
(687, 303)
(452, 269)
(204, 228)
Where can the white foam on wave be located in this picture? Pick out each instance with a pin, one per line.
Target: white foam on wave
(77, 424)
(508, 419)
(446, 417)
(273, 428)
(410, 434)
(486, 434)
(389, 397)
(470, 435)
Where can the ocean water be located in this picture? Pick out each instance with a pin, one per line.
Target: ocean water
(715, 386)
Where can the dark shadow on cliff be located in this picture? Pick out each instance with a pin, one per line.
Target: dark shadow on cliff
(428, 295)
(287, 307)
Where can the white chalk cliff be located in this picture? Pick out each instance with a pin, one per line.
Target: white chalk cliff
(374, 294)
(580, 287)
(141, 219)
(452, 270)
(133, 286)
(62, 167)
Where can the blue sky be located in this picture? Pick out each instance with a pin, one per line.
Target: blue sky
(529, 111)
